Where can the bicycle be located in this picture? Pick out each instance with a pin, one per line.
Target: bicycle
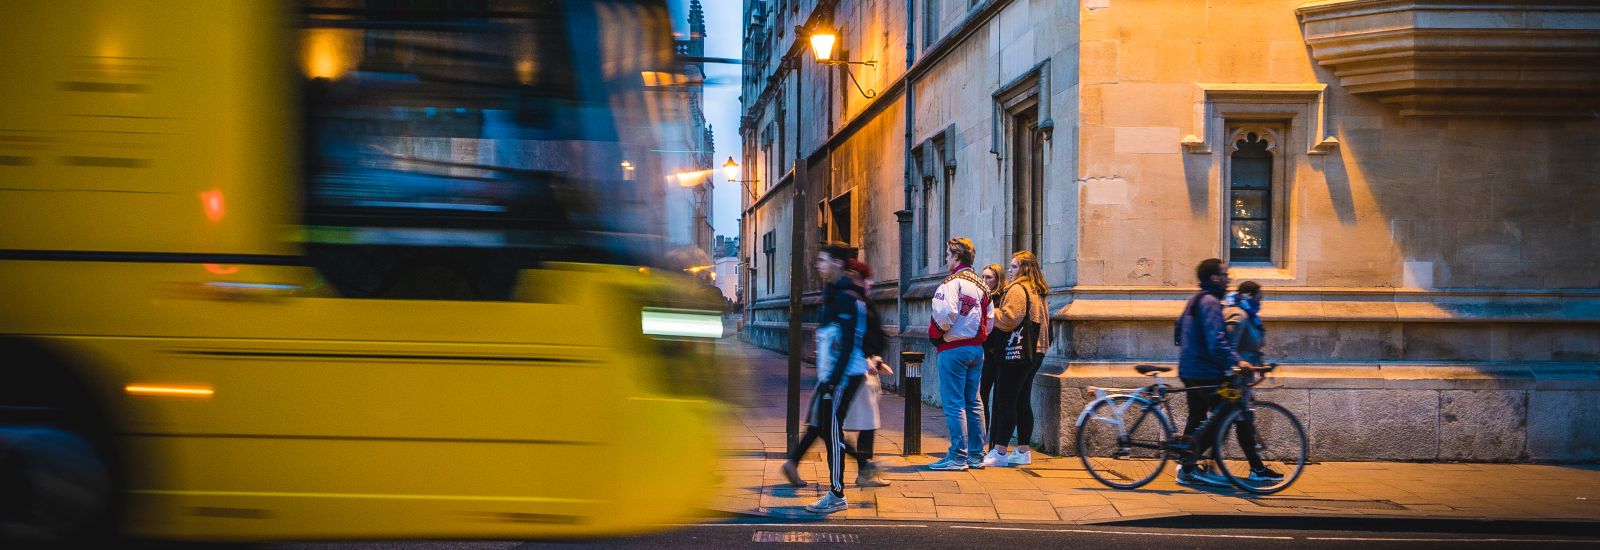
(1123, 447)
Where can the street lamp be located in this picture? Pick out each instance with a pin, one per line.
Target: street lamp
(695, 180)
(731, 170)
(691, 178)
(822, 45)
(822, 41)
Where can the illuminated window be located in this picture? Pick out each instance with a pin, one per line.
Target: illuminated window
(1252, 166)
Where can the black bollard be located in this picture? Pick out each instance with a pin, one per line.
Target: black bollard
(911, 381)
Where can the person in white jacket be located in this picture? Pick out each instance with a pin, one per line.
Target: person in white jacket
(959, 323)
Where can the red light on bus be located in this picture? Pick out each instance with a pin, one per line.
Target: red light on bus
(212, 202)
(220, 269)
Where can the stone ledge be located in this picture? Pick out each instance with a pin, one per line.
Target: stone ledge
(1445, 57)
(1386, 412)
(1376, 309)
(1391, 375)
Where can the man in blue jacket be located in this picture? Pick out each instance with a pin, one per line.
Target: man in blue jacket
(1206, 354)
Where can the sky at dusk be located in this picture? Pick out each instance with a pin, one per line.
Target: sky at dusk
(723, 36)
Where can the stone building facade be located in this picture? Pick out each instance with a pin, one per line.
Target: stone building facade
(1414, 182)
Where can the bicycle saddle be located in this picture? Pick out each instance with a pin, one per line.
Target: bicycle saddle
(1147, 370)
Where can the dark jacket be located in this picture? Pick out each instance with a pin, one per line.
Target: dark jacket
(841, 306)
(997, 338)
(1205, 351)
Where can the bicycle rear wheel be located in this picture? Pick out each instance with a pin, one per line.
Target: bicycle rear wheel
(1123, 442)
(1261, 449)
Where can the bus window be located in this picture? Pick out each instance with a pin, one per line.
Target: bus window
(445, 144)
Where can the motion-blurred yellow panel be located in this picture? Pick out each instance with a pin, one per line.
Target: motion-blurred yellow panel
(451, 343)
(121, 115)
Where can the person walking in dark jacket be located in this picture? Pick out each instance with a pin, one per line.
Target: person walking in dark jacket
(1204, 358)
(841, 370)
(1242, 310)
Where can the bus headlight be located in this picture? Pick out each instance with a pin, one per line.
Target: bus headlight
(681, 322)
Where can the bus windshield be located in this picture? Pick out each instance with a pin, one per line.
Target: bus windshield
(464, 136)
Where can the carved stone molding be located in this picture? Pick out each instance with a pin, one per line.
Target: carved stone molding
(1456, 58)
(1305, 102)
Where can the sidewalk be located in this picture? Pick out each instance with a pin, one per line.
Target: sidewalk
(1057, 489)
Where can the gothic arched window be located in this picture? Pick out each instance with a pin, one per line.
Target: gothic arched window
(1249, 197)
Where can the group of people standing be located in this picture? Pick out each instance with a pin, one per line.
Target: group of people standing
(991, 330)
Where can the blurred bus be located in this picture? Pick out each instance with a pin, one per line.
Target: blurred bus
(342, 269)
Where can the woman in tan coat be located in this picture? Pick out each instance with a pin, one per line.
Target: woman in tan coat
(1024, 312)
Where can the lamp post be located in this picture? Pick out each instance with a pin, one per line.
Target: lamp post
(797, 213)
(822, 41)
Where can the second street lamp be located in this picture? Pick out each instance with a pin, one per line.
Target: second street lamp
(730, 169)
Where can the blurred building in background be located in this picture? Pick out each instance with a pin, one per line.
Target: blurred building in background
(689, 143)
(1413, 181)
(725, 254)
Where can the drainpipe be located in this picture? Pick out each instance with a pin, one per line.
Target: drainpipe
(904, 216)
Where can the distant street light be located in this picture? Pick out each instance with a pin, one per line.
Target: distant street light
(731, 170)
(691, 178)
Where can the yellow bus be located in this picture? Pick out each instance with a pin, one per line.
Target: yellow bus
(341, 269)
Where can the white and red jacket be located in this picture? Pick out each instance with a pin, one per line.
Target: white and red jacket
(960, 311)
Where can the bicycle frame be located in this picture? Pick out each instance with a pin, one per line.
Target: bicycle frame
(1156, 394)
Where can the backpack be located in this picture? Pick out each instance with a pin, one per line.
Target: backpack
(875, 342)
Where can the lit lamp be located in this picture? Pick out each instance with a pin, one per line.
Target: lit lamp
(822, 41)
(822, 45)
(690, 178)
(731, 170)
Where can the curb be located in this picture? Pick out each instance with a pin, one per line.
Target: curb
(1381, 523)
(1299, 522)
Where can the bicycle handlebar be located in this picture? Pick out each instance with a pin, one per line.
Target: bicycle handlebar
(1262, 370)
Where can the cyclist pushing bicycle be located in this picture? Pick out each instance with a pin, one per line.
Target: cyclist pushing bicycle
(1125, 437)
(1207, 353)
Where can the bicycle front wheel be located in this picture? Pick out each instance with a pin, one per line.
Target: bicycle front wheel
(1261, 449)
(1123, 441)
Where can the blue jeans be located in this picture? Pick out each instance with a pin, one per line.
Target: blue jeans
(960, 371)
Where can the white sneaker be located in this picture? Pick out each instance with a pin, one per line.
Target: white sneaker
(828, 504)
(994, 458)
(1020, 458)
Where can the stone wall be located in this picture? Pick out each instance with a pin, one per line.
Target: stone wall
(1428, 266)
(1389, 413)
(1433, 294)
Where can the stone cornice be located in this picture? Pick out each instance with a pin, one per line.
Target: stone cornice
(1456, 58)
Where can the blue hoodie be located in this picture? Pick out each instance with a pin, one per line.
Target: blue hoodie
(1205, 351)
